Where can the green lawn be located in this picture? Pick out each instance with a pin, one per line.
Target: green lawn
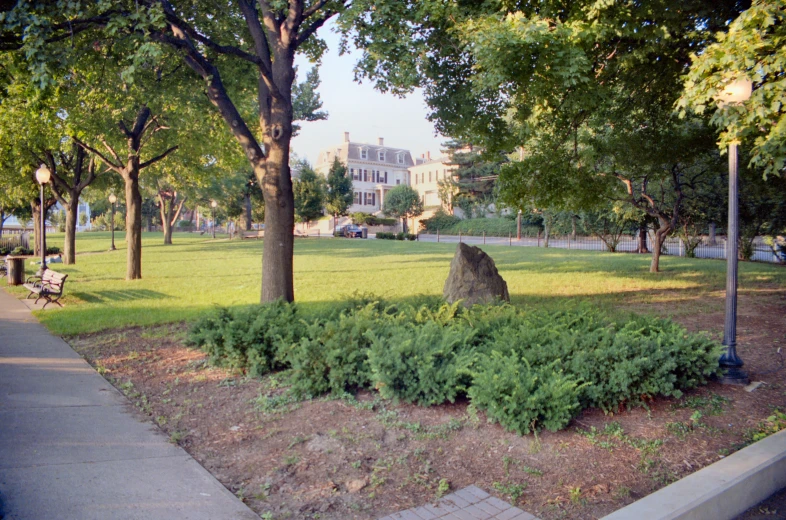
(197, 273)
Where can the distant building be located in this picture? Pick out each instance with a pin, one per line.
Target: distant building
(374, 168)
(426, 175)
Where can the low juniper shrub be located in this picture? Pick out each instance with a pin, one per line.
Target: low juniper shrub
(527, 368)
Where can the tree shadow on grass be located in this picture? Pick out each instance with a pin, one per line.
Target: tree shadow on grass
(119, 295)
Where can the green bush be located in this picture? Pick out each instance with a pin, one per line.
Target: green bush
(440, 220)
(400, 236)
(527, 368)
(367, 219)
(426, 364)
(53, 250)
(383, 235)
(523, 398)
(21, 251)
(256, 339)
(411, 237)
(332, 355)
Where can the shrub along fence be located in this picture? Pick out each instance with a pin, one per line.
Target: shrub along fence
(528, 369)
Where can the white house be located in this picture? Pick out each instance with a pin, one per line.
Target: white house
(426, 175)
(374, 168)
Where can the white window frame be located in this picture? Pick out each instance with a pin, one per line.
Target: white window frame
(400, 158)
(364, 153)
(381, 155)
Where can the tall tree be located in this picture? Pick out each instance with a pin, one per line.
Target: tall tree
(309, 194)
(339, 195)
(403, 202)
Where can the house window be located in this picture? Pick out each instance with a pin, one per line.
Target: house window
(363, 153)
(400, 158)
(369, 199)
(398, 181)
(381, 156)
(355, 174)
(416, 178)
(365, 175)
(357, 197)
(429, 176)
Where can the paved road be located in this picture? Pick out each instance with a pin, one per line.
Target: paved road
(72, 447)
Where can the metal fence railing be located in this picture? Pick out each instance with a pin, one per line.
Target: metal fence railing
(761, 252)
(13, 241)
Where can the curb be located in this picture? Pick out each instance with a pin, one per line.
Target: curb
(721, 491)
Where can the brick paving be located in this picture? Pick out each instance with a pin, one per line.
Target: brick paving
(470, 503)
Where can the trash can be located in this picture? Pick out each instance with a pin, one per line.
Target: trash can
(16, 270)
(364, 232)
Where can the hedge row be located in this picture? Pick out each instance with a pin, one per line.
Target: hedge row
(396, 236)
(528, 369)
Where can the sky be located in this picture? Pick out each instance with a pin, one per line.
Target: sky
(362, 111)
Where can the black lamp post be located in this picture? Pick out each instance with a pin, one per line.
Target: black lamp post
(736, 92)
(112, 199)
(213, 205)
(43, 175)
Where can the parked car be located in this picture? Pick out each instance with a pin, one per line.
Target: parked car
(339, 231)
(353, 231)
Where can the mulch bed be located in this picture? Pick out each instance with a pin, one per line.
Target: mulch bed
(365, 458)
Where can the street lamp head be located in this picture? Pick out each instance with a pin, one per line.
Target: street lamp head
(42, 174)
(738, 91)
(213, 204)
(112, 198)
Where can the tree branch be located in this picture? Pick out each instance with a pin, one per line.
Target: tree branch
(157, 158)
(112, 166)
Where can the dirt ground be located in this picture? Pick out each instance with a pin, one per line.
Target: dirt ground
(364, 458)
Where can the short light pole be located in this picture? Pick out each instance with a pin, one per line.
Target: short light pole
(43, 175)
(736, 93)
(518, 226)
(213, 205)
(112, 200)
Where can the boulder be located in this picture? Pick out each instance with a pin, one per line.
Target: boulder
(474, 278)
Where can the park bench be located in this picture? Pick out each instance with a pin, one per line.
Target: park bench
(48, 286)
(254, 234)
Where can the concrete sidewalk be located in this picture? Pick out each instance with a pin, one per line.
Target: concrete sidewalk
(73, 447)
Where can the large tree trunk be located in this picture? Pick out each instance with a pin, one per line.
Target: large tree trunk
(36, 208)
(133, 224)
(660, 237)
(167, 209)
(69, 246)
(278, 251)
(643, 239)
(248, 220)
(573, 227)
(546, 233)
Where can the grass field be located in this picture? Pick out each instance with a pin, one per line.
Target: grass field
(197, 273)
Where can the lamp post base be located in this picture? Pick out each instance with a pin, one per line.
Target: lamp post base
(733, 376)
(113, 248)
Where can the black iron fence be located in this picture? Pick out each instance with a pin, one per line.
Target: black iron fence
(758, 250)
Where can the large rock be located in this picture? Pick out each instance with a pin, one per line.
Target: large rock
(474, 278)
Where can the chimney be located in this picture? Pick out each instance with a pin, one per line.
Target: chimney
(381, 141)
(422, 156)
(428, 156)
(346, 137)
